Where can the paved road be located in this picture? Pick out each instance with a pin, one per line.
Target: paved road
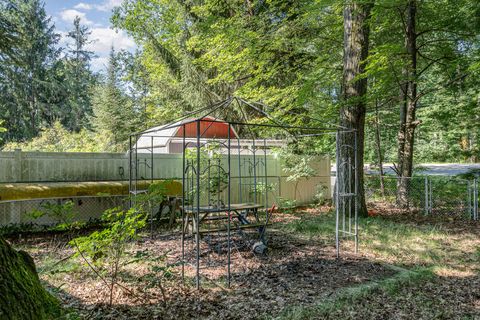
(443, 169)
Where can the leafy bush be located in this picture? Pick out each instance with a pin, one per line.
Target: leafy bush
(103, 250)
(321, 194)
(155, 194)
(213, 179)
(62, 213)
(2, 130)
(287, 205)
(160, 270)
(297, 167)
(18, 228)
(261, 188)
(58, 139)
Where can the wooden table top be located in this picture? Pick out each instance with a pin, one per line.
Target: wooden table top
(233, 207)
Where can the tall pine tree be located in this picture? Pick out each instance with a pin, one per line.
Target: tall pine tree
(114, 113)
(79, 78)
(25, 74)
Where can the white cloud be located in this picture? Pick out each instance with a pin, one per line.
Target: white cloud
(108, 5)
(70, 14)
(83, 6)
(64, 40)
(104, 38)
(99, 63)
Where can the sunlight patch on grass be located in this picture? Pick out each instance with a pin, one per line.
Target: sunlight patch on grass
(445, 271)
(348, 297)
(396, 242)
(320, 226)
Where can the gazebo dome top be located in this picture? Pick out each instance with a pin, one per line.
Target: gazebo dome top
(210, 128)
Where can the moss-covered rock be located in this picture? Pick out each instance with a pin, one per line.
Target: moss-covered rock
(21, 293)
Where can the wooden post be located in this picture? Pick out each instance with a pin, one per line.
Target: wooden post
(17, 166)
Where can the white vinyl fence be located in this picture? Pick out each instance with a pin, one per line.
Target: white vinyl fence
(19, 166)
(49, 167)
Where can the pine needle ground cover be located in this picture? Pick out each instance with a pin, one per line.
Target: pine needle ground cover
(405, 269)
(438, 263)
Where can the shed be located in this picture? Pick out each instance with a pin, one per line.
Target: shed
(169, 138)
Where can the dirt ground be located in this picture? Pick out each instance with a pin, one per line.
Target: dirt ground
(442, 297)
(299, 277)
(295, 271)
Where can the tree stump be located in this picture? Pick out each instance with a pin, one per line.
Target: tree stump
(21, 293)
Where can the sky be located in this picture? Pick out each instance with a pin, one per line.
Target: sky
(96, 16)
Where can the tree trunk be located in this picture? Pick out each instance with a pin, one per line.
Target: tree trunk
(408, 121)
(354, 89)
(22, 295)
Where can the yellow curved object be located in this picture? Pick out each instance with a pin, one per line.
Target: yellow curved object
(27, 191)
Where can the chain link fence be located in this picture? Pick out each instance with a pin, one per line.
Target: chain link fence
(428, 195)
(20, 213)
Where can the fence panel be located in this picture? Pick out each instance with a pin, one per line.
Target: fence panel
(19, 212)
(48, 167)
(449, 196)
(437, 195)
(19, 166)
(384, 191)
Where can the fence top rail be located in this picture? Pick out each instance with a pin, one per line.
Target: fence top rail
(9, 154)
(433, 176)
(64, 198)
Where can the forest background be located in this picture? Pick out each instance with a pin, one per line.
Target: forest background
(288, 55)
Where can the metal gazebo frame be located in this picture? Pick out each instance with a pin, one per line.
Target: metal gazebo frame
(193, 203)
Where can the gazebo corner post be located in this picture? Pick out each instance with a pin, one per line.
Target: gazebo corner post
(197, 212)
(265, 167)
(136, 171)
(347, 209)
(254, 151)
(337, 194)
(151, 163)
(208, 182)
(357, 177)
(130, 171)
(229, 208)
(183, 204)
(239, 172)
(151, 182)
(219, 173)
(469, 200)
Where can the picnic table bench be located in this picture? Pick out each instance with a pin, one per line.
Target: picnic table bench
(241, 212)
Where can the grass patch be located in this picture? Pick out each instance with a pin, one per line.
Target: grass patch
(395, 242)
(441, 261)
(311, 226)
(351, 297)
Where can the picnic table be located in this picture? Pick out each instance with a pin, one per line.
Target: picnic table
(241, 211)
